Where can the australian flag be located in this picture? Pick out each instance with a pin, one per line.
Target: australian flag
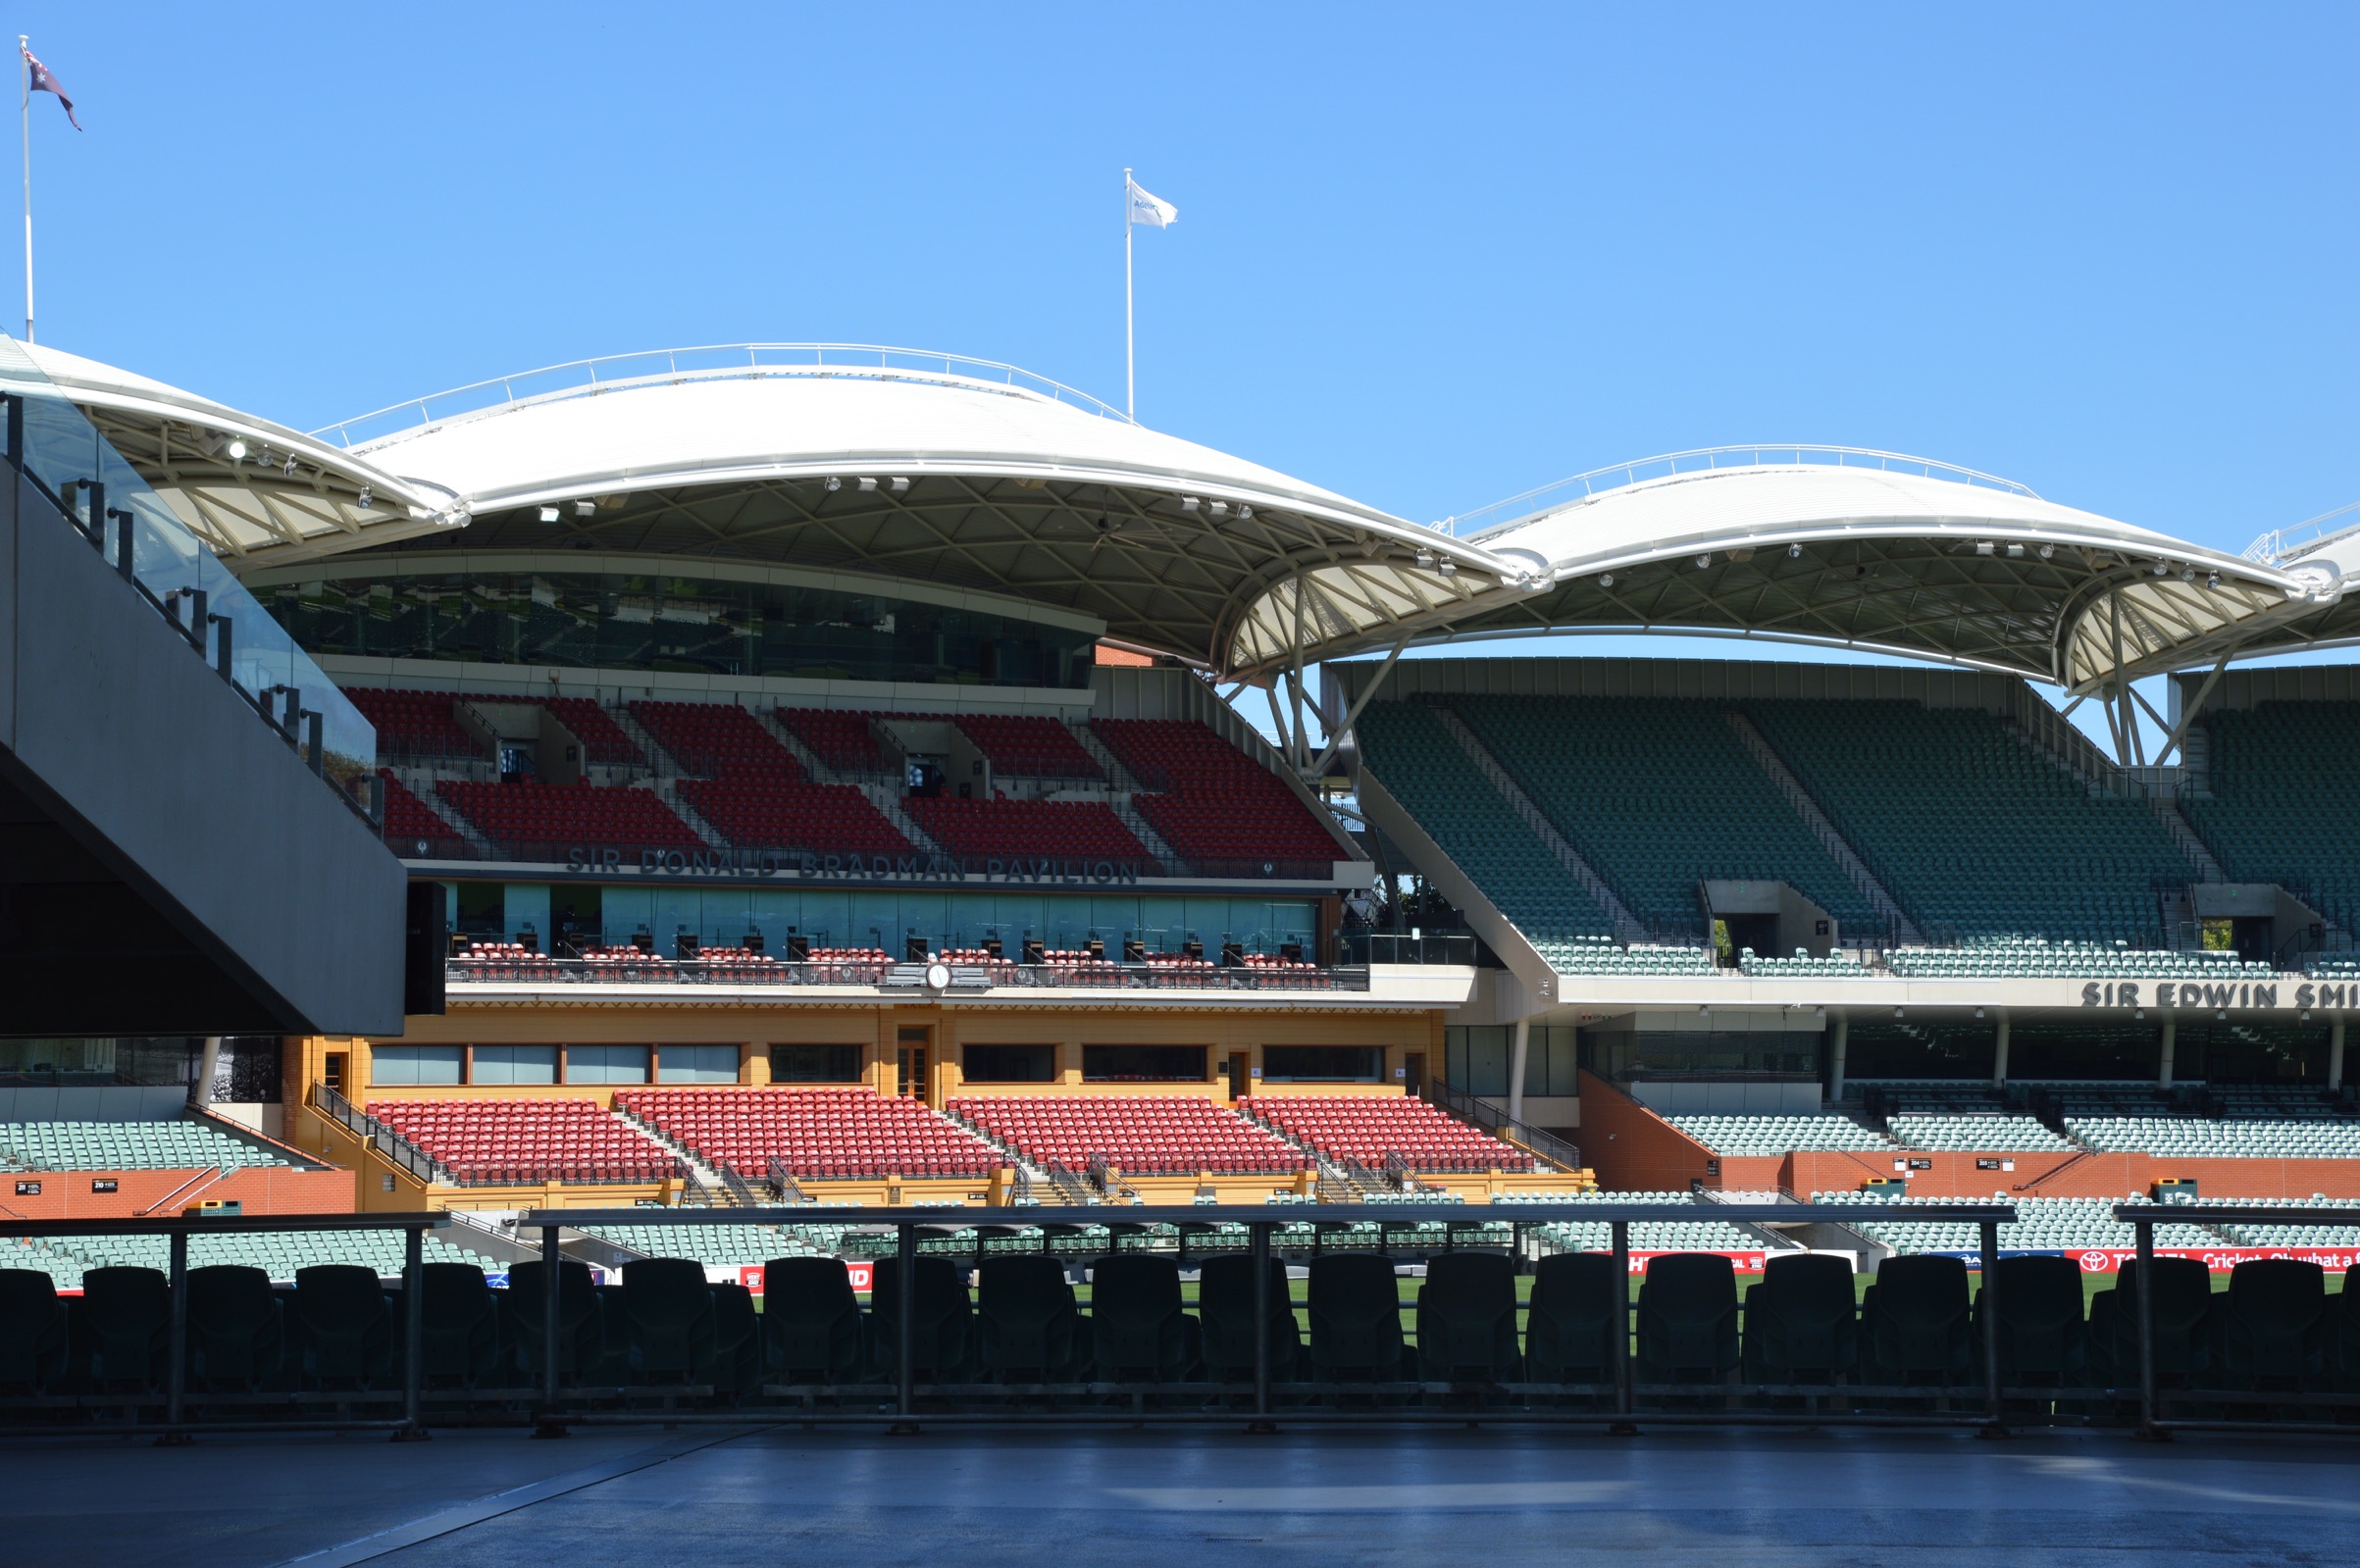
(44, 81)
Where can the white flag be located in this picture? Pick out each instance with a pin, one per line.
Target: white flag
(1153, 211)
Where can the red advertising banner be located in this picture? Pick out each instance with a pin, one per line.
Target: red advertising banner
(2219, 1260)
(749, 1275)
(1745, 1262)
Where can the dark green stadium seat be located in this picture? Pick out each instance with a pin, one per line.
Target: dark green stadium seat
(668, 1318)
(32, 1330)
(1466, 1319)
(342, 1325)
(124, 1324)
(461, 1342)
(1802, 1321)
(1225, 1308)
(1688, 1319)
(2043, 1339)
(581, 1330)
(1580, 1302)
(237, 1326)
(733, 1368)
(2183, 1355)
(1355, 1319)
(1913, 1322)
(811, 1327)
(2274, 1325)
(1139, 1332)
(943, 1337)
(1027, 1326)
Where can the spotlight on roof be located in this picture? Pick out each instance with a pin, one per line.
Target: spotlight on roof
(548, 514)
(288, 467)
(1244, 512)
(1605, 580)
(236, 450)
(2212, 580)
(1189, 503)
(2187, 574)
(1794, 552)
(1896, 1013)
(2014, 552)
(834, 483)
(901, 484)
(1984, 547)
(1703, 560)
(2048, 551)
(1978, 1012)
(586, 507)
(2163, 569)
(1446, 567)
(1425, 560)
(867, 484)
(1219, 508)
(368, 497)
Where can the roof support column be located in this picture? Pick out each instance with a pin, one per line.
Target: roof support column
(2162, 1064)
(1839, 1040)
(1516, 1059)
(2336, 1054)
(1999, 1054)
(1359, 702)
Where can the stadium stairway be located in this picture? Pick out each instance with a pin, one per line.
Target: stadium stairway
(1627, 926)
(1847, 858)
(1122, 789)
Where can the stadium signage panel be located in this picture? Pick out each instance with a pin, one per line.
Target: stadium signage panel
(2214, 996)
(803, 864)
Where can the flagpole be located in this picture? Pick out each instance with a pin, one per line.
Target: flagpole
(24, 118)
(1130, 350)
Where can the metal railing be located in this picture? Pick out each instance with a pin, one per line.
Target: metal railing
(2275, 546)
(1517, 509)
(1547, 1145)
(1615, 1392)
(586, 378)
(1097, 973)
(390, 1144)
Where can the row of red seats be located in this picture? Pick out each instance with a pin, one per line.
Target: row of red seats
(719, 739)
(411, 823)
(1368, 1126)
(1210, 801)
(1029, 747)
(827, 818)
(415, 724)
(527, 1139)
(840, 739)
(528, 812)
(1069, 829)
(816, 1133)
(1145, 1134)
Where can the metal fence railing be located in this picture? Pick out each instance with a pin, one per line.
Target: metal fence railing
(546, 1375)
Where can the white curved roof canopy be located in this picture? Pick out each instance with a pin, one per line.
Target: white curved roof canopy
(289, 497)
(1896, 555)
(930, 470)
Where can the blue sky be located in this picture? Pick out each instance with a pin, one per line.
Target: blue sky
(1427, 257)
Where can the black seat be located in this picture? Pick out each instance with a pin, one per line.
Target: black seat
(943, 1325)
(1466, 1319)
(1913, 1322)
(1355, 1316)
(2274, 1325)
(811, 1329)
(668, 1318)
(124, 1324)
(581, 1332)
(2183, 1298)
(1688, 1319)
(732, 1367)
(342, 1325)
(1139, 1332)
(32, 1330)
(236, 1327)
(461, 1338)
(1802, 1322)
(2344, 1340)
(1225, 1309)
(1580, 1301)
(2042, 1336)
(1028, 1326)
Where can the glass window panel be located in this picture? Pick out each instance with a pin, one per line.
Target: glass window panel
(516, 1064)
(407, 1066)
(607, 1064)
(696, 1064)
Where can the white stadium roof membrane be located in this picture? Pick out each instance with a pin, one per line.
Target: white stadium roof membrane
(961, 474)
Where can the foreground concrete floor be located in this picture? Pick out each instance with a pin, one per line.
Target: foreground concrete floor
(773, 1496)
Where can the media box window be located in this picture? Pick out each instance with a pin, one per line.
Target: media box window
(607, 1064)
(696, 1064)
(1143, 1064)
(1009, 1064)
(417, 1065)
(1323, 1064)
(515, 1064)
(815, 1064)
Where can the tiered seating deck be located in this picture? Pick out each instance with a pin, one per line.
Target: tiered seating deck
(1219, 810)
(1068, 829)
(502, 1142)
(1138, 1134)
(1367, 1128)
(538, 819)
(1029, 747)
(818, 1134)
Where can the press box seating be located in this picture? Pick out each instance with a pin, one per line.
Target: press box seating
(1368, 1126)
(530, 812)
(831, 1133)
(410, 822)
(840, 739)
(1210, 801)
(1069, 829)
(1029, 747)
(1144, 1135)
(719, 740)
(527, 1139)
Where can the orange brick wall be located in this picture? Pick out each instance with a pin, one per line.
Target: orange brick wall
(2055, 1175)
(1634, 1151)
(261, 1188)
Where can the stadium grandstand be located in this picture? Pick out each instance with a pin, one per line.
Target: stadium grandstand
(831, 780)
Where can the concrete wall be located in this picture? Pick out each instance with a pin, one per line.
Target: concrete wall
(1632, 1148)
(184, 792)
(260, 1189)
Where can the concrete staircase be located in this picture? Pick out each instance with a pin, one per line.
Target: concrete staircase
(2168, 812)
(1757, 746)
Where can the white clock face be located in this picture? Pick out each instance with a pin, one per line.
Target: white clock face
(937, 976)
